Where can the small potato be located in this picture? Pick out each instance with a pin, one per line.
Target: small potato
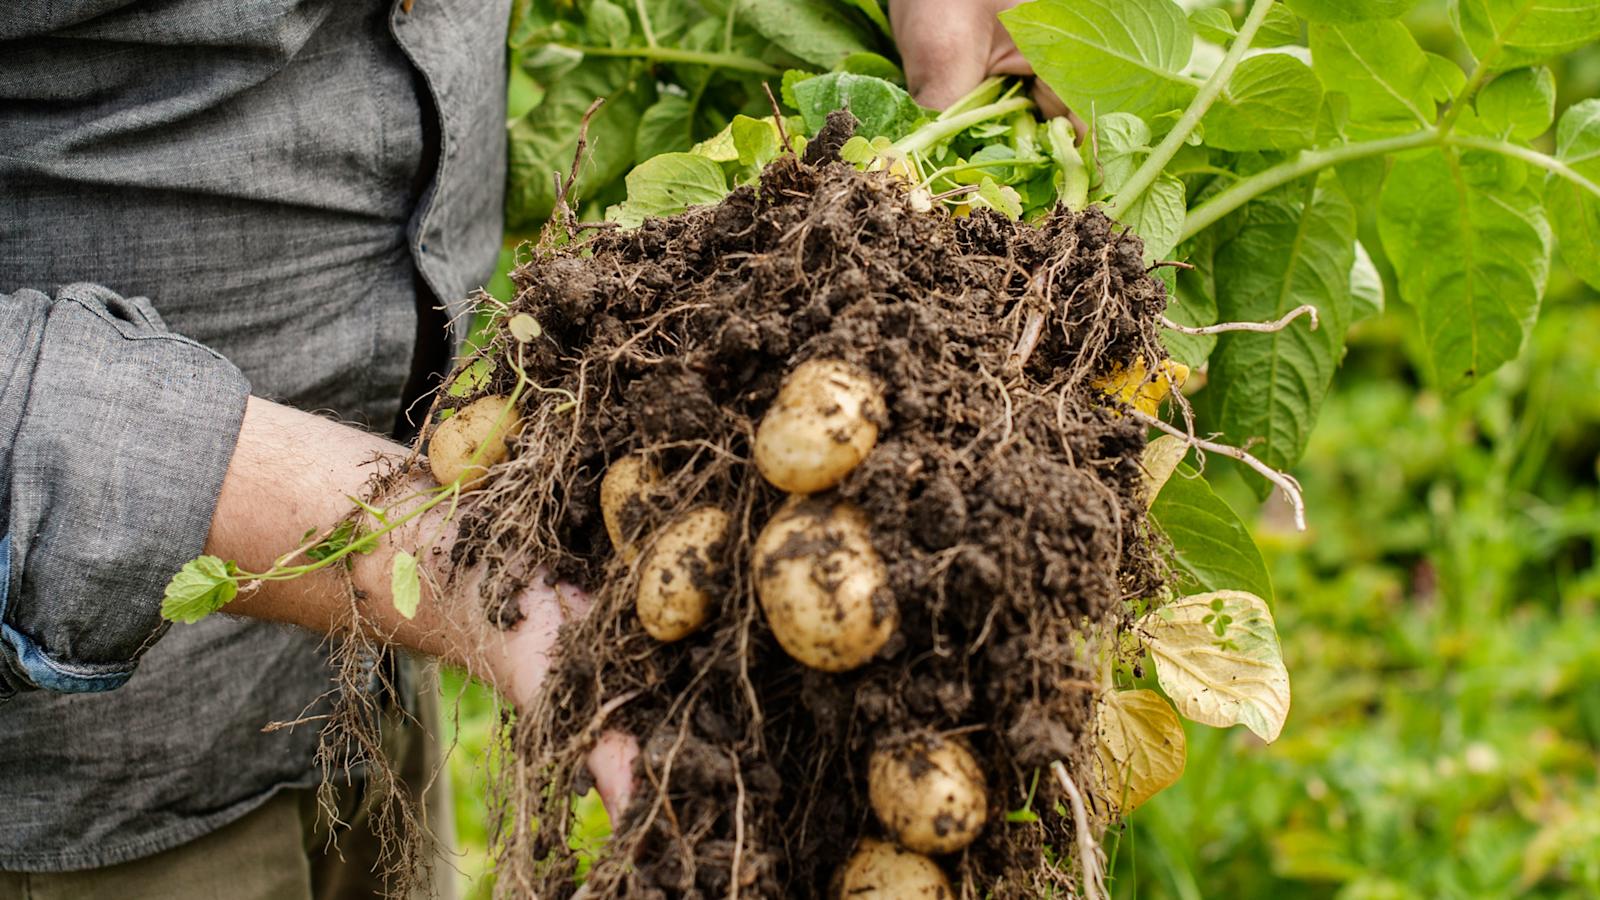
(823, 586)
(928, 792)
(483, 423)
(822, 424)
(628, 478)
(882, 871)
(672, 601)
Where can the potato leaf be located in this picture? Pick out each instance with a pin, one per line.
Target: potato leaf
(816, 31)
(1264, 106)
(1574, 207)
(665, 127)
(1471, 251)
(406, 584)
(755, 140)
(882, 108)
(1217, 657)
(203, 586)
(1107, 55)
(1213, 24)
(1350, 10)
(1159, 460)
(1506, 34)
(1379, 66)
(1366, 286)
(668, 184)
(1521, 103)
(1294, 246)
(1140, 748)
(1209, 543)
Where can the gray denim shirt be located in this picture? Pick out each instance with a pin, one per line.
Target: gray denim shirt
(200, 198)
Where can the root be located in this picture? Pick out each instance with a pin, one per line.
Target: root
(1259, 327)
(1284, 481)
(1091, 858)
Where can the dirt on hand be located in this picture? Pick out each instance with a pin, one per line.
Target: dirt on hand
(1003, 496)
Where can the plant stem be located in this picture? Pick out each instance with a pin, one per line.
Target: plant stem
(644, 23)
(985, 93)
(1207, 213)
(1151, 169)
(674, 54)
(1527, 155)
(1014, 162)
(943, 129)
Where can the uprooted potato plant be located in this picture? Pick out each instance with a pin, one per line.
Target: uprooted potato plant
(859, 527)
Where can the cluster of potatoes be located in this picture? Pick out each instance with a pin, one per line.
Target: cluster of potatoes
(820, 583)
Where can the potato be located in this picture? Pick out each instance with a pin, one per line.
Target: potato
(672, 601)
(483, 423)
(882, 871)
(823, 586)
(928, 792)
(628, 478)
(822, 424)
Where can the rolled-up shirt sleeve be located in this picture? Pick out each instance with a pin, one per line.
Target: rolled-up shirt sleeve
(115, 435)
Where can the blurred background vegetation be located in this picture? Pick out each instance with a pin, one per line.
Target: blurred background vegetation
(1439, 623)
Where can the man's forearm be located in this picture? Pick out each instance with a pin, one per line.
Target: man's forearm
(293, 471)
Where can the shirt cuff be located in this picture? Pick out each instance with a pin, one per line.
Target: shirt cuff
(115, 465)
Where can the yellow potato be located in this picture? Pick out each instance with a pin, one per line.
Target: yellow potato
(672, 601)
(628, 478)
(823, 586)
(929, 793)
(485, 423)
(882, 871)
(822, 424)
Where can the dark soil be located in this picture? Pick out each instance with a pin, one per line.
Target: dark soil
(1003, 495)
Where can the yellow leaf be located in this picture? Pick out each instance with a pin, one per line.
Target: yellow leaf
(524, 327)
(1159, 460)
(1217, 657)
(1131, 386)
(1139, 750)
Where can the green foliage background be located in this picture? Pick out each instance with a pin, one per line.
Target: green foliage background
(1438, 620)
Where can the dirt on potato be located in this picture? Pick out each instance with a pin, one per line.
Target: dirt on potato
(1003, 496)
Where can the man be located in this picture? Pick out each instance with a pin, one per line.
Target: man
(214, 214)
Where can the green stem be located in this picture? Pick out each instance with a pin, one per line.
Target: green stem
(985, 93)
(944, 129)
(989, 164)
(1481, 70)
(644, 23)
(1151, 169)
(674, 54)
(1527, 155)
(1207, 213)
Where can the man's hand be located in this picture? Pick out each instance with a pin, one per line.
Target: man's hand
(950, 46)
(292, 471)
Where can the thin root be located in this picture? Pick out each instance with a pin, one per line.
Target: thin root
(1259, 327)
(1284, 481)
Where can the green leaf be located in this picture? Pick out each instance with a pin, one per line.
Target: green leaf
(1521, 103)
(1209, 543)
(1366, 287)
(1350, 10)
(1294, 246)
(1217, 656)
(1471, 251)
(1105, 56)
(756, 140)
(1281, 28)
(1000, 198)
(337, 540)
(543, 142)
(1157, 217)
(883, 109)
(1123, 142)
(1379, 66)
(1213, 24)
(816, 31)
(1575, 209)
(1445, 78)
(1266, 106)
(406, 584)
(667, 185)
(665, 127)
(203, 586)
(874, 64)
(1506, 34)
(873, 11)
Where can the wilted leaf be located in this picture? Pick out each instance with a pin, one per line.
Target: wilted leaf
(1217, 657)
(1159, 460)
(406, 584)
(1140, 748)
(524, 327)
(203, 586)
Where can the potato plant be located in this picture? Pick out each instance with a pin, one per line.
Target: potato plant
(890, 519)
